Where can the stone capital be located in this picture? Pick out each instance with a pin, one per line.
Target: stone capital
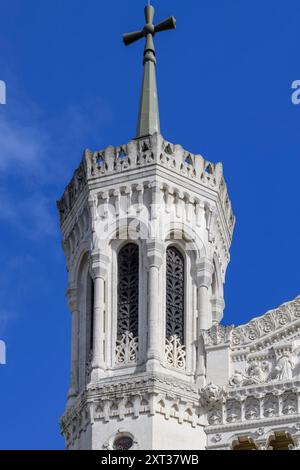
(154, 252)
(218, 306)
(99, 264)
(203, 271)
(72, 297)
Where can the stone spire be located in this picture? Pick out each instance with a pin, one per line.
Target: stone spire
(148, 120)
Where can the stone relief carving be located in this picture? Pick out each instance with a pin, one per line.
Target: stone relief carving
(252, 408)
(266, 324)
(233, 411)
(270, 406)
(214, 415)
(211, 394)
(289, 403)
(127, 349)
(256, 374)
(217, 334)
(175, 353)
(284, 367)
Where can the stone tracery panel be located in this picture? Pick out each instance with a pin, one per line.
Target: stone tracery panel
(128, 303)
(175, 294)
(174, 347)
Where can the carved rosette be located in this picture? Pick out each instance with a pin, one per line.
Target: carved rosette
(267, 324)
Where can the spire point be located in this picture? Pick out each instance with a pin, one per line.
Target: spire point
(148, 120)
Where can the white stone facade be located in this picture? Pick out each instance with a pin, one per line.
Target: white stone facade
(255, 372)
(214, 387)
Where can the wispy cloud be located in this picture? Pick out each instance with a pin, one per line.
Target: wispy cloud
(41, 155)
(21, 146)
(33, 144)
(33, 216)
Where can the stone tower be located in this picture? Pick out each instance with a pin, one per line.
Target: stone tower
(147, 228)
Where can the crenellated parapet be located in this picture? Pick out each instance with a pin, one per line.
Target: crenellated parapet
(153, 151)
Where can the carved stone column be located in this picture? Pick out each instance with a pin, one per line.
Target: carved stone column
(155, 252)
(72, 296)
(99, 270)
(203, 275)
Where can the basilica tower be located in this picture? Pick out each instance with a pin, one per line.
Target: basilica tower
(147, 228)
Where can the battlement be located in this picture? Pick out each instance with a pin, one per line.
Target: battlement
(144, 153)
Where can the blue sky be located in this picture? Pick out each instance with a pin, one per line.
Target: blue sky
(224, 79)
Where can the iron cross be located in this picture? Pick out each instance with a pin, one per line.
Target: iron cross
(148, 119)
(149, 32)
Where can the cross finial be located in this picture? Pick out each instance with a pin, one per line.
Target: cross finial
(148, 121)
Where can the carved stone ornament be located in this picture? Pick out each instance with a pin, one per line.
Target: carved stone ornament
(175, 353)
(256, 374)
(218, 334)
(212, 393)
(141, 153)
(267, 324)
(127, 349)
(233, 411)
(284, 367)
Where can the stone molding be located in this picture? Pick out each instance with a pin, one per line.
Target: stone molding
(131, 397)
(99, 264)
(203, 271)
(269, 325)
(155, 251)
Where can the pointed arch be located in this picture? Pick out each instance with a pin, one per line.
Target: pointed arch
(175, 296)
(128, 290)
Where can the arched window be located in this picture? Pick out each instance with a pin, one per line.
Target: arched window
(174, 294)
(128, 291)
(90, 312)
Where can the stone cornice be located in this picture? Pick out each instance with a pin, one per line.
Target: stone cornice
(253, 424)
(115, 399)
(279, 324)
(273, 326)
(130, 385)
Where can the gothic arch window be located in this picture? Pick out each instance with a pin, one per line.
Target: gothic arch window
(214, 284)
(90, 312)
(175, 354)
(128, 304)
(85, 305)
(175, 270)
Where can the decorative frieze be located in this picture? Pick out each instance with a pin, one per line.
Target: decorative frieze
(256, 403)
(272, 322)
(132, 397)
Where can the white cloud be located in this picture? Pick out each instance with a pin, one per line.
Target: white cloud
(21, 147)
(37, 158)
